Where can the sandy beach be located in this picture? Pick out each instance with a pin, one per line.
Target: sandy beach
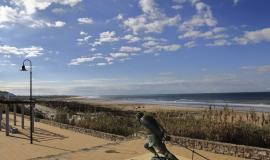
(134, 106)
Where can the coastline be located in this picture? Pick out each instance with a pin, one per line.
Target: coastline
(152, 106)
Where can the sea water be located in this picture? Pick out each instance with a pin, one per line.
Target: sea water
(259, 101)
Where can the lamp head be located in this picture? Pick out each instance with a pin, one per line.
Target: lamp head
(23, 68)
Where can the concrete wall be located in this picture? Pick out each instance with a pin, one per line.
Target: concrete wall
(223, 148)
(91, 132)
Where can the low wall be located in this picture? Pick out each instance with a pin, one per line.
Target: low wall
(223, 148)
(211, 146)
(91, 132)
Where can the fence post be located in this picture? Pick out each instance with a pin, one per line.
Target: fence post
(1, 112)
(22, 114)
(14, 113)
(34, 115)
(7, 119)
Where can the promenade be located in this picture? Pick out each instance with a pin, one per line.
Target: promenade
(52, 143)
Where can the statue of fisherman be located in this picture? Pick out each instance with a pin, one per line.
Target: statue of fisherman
(155, 137)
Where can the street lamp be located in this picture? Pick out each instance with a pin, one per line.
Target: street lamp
(31, 98)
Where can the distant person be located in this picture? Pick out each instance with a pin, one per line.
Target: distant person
(155, 136)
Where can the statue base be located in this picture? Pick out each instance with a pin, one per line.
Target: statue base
(158, 158)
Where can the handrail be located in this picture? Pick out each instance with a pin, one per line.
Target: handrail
(193, 151)
(17, 101)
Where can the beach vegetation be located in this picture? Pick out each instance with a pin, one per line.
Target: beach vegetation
(224, 125)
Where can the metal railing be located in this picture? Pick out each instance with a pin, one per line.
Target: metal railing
(5, 106)
(194, 152)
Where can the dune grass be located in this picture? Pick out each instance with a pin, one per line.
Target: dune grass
(245, 128)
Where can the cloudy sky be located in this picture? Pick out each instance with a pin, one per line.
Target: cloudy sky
(93, 47)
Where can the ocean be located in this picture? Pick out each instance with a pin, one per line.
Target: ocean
(259, 101)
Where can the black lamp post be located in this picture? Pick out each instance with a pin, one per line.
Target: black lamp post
(31, 98)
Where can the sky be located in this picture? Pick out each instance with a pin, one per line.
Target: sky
(107, 47)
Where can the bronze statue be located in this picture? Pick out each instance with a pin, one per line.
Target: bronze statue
(155, 137)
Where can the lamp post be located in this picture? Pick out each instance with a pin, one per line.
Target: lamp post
(31, 98)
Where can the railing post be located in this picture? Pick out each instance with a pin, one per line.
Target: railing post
(192, 154)
(33, 120)
(22, 114)
(7, 119)
(1, 113)
(14, 113)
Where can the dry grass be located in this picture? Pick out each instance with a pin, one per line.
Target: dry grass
(246, 128)
(220, 125)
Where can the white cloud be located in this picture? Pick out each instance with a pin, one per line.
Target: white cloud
(258, 69)
(177, 7)
(82, 33)
(220, 42)
(83, 40)
(32, 51)
(169, 48)
(149, 7)
(68, 2)
(93, 49)
(7, 14)
(235, 2)
(190, 44)
(254, 36)
(152, 19)
(119, 55)
(150, 43)
(101, 64)
(218, 29)
(59, 24)
(190, 34)
(141, 23)
(23, 12)
(129, 49)
(131, 38)
(154, 47)
(80, 60)
(203, 17)
(150, 38)
(202, 24)
(106, 37)
(42, 24)
(120, 16)
(135, 24)
(58, 10)
(99, 59)
(31, 6)
(85, 20)
(215, 33)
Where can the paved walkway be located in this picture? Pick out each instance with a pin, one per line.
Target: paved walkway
(52, 143)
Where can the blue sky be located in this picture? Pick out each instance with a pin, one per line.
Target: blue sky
(98, 47)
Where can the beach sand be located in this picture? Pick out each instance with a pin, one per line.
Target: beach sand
(134, 106)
